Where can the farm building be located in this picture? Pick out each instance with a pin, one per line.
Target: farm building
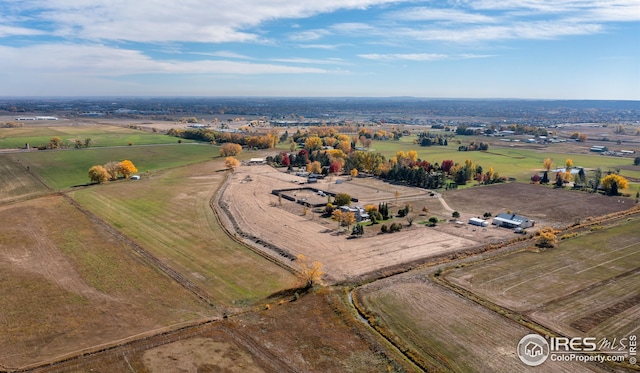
(358, 212)
(479, 222)
(512, 221)
(253, 161)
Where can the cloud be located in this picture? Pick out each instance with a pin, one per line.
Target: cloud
(99, 60)
(435, 14)
(419, 56)
(224, 54)
(313, 61)
(159, 20)
(518, 30)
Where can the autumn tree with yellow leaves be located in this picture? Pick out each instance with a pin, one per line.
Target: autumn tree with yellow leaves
(547, 164)
(547, 238)
(613, 183)
(231, 163)
(310, 273)
(230, 149)
(98, 174)
(127, 168)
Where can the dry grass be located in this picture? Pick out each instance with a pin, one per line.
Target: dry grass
(16, 181)
(62, 278)
(570, 288)
(445, 332)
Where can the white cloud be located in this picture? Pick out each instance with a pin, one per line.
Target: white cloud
(519, 30)
(224, 54)
(98, 60)
(419, 56)
(158, 20)
(312, 61)
(436, 14)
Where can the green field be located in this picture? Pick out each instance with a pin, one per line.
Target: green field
(514, 162)
(169, 215)
(101, 136)
(63, 169)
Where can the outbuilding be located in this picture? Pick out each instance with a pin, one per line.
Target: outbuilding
(479, 222)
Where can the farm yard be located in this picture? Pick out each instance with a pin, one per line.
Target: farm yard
(256, 212)
(544, 204)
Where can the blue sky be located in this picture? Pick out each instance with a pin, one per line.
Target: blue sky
(547, 49)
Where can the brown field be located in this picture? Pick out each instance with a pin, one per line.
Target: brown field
(587, 285)
(544, 204)
(446, 331)
(15, 182)
(316, 333)
(257, 212)
(63, 278)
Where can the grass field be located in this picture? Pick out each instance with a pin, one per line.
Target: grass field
(169, 215)
(588, 284)
(100, 135)
(67, 284)
(63, 169)
(518, 162)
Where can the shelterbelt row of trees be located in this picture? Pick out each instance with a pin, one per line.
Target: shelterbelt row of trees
(111, 171)
(313, 138)
(404, 167)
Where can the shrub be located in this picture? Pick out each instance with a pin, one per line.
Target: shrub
(384, 228)
(395, 227)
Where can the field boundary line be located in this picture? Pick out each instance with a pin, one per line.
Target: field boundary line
(612, 260)
(93, 350)
(151, 259)
(215, 206)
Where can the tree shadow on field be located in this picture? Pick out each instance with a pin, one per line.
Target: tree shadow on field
(291, 294)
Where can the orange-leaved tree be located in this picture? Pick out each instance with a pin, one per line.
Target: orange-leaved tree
(98, 174)
(547, 237)
(230, 149)
(310, 273)
(127, 168)
(547, 164)
(231, 163)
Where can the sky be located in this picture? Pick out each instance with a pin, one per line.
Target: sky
(530, 49)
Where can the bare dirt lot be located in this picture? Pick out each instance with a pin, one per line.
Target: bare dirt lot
(258, 213)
